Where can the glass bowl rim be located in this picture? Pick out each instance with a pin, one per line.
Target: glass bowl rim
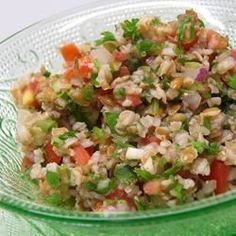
(22, 207)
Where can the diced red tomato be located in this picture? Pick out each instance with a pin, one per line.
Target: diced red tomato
(51, 156)
(70, 52)
(84, 68)
(151, 139)
(220, 173)
(26, 163)
(90, 150)
(123, 71)
(187, 45)
(81, 156)
(233, 53)
(152, 187)
(120, 56)
(119, 194)
(69, 74)
(135, 99)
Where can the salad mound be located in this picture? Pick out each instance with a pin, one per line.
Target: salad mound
(142, 118)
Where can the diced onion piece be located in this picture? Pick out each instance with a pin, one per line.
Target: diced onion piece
(134, 153)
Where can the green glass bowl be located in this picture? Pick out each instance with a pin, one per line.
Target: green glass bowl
(36, 45)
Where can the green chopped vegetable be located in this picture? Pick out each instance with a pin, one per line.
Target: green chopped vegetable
(207, 122)
(94, 81)
(97, 64)
(155, 105)
(54, 199)
(143, 175)
(213, 149)
(120, 93)
(130, 29)
(59, 141)
(178, 51)
(177, 165)
(47, 124)
(88, 92)
(90, 186)
(52, 179)
(99, 134)
(111, 119)
(199, 146)
(201, 23)
(232, 81)
(185, 125)
(155, 22)
(165, 82)
(178, 191)
(46, 74)
(106, 37)
(133, 64)
(140, 203)
(124, 174)
(106, 186)
(181, 28)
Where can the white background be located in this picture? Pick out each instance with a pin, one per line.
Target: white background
(17, 14)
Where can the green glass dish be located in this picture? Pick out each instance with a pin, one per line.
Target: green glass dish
(26, 51)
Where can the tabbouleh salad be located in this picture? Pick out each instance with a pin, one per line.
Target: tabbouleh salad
(142, 118)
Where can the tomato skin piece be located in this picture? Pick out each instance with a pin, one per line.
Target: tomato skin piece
(123, 71)
(70, 52)
(103, 92)
(69, 74)
(187, 45)
(135, 99)
(233, 53)
(81, 156)
(219, 173)
(90, 150)
(120, 194)
(51, 155)
(26, 163)
(120, 56)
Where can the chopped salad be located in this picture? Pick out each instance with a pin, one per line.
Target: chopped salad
(142, 118)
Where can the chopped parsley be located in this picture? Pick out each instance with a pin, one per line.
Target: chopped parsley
(232, 81)
(111, 119)
(59, 141)
(106, 37)
(46, 73)
(124, 174)
(130, 29)
(143, 175)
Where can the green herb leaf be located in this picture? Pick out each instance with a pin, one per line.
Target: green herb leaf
(133, 64)
(124, 174)
(59, 141)
(143, 175)
(232, 81)
(46, 74)
(98, 133)
(52, 179)
(54, 199)
(111, 120)
(180, 28)
(90, 186)
(106, 186)
(119, 93)
(177, 165)
(88, 92)
(144, 46)
(201, 23)
(94, 81)
(155, 22)
(106, 36)
(185, 125)
(207, 122)
(130, 29)
(140, 203)
(199, 146)
(178, 192)
(213, 149)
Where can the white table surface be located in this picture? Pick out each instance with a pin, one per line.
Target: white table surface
(17, 14)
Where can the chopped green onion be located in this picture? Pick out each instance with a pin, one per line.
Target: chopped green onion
(172, 170)
(97, 64)
(59, 141)
(106, 37)
(94, 81)
(98, 133)
(90, 186)
(199, 146)
(46, 125)
(52, 179)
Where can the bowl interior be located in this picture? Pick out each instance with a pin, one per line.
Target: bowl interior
(36, 45)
